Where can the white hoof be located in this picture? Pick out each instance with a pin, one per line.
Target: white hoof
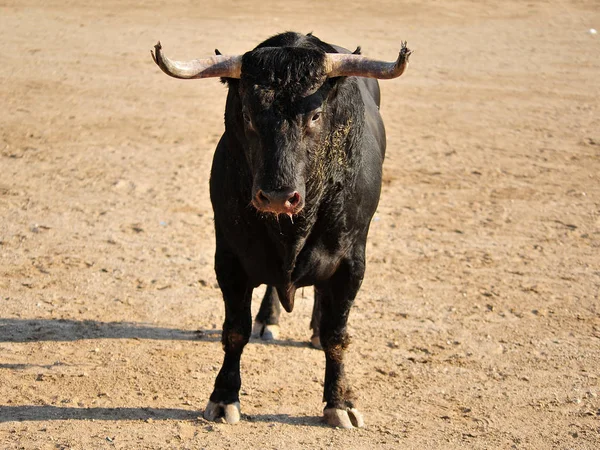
(270, 332)
(215, 411)
(356, 418)
(342, 418)
(257, 329)
(265, 332)
(212, 411)
(232, 413)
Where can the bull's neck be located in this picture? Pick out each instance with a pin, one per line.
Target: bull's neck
(289, 235)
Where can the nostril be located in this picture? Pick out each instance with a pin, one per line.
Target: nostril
(262, 197)
(294, 199)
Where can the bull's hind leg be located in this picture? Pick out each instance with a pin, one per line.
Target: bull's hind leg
(237, 294)
(337, 296)
(266, 324)
(315, 322)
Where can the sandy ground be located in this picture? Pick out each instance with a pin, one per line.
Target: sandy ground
(478, 325)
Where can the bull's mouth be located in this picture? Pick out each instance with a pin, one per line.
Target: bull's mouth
(282, 201)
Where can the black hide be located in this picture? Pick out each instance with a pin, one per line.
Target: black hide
(288, 128)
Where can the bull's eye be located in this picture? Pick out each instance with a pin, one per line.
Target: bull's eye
(316, 117)
(246, 117)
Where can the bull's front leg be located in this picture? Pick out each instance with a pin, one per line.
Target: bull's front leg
(336, 297)
(237, 295)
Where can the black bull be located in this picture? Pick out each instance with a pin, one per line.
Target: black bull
(295, 181)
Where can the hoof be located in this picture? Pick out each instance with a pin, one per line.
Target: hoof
(271, 332)
(315, 342)
(343, 418)
(230, 412)
(265, 332)
(257, 329)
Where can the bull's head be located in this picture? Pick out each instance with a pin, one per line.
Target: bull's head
(283, 112)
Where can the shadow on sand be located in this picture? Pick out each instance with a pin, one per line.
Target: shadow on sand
(48, 412)
(35, 330)
(32, 330)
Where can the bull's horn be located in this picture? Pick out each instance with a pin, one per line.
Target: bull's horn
(214, 66)
(347, 65)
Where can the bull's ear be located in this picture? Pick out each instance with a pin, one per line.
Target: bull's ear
(229, 82)
(223, 80)
(340, 101)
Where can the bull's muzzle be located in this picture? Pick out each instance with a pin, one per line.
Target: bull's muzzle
(286, 201)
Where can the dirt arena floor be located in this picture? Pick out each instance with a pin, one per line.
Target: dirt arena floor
(478, 324)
